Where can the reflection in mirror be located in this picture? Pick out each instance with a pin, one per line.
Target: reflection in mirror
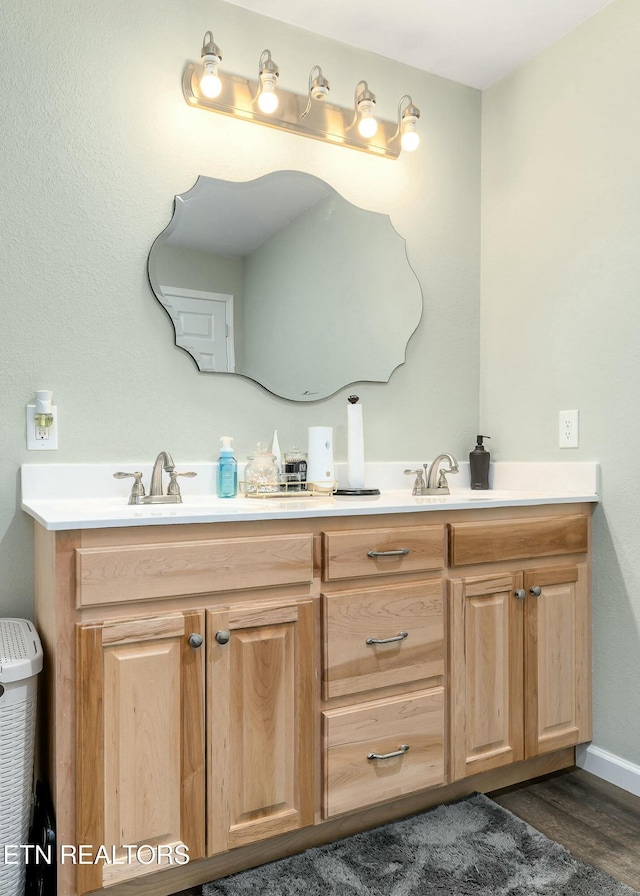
(282, 280)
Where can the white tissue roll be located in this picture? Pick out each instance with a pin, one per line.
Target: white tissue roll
(355, 446)
(320, 459)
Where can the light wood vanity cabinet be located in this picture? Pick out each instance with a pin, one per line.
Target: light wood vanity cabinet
(187, 659)
(260, 722)
(140, 759)
(379, 745)
(245, 690)
(143, 743)
(520, 642)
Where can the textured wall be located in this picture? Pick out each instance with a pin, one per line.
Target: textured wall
(561, 307)
(96, 139)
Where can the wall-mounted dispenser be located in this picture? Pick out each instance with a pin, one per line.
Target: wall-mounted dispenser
(42, 423)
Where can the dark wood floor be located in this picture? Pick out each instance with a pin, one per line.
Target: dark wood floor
(594, 820)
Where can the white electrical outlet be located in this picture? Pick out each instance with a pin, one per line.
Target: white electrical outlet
(568, 436)
(41, 438)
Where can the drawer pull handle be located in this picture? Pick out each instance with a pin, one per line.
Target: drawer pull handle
(403, 749)
(399, 553)
(399, 637)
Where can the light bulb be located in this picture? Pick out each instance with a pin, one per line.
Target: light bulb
(268, 99)
(410, 138)
(268, 74)
(407, 125)
(320, 91)
(365, 105)
(210, 83)
(368, 124)
(318, 88)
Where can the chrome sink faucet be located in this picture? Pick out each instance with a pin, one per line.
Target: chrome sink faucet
(426, 483)
(441, 486)
(163, 461)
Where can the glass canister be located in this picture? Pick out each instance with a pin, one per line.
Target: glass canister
(295, 470)
(261, 473)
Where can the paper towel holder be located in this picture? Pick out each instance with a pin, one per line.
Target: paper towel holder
(359, 491)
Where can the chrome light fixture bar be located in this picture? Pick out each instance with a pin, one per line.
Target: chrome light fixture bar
(310, 114)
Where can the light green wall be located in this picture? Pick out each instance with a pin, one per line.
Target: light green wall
(96, 140)
(195, 269)
(561, 307)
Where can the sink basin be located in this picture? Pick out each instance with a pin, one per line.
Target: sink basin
(455, 498)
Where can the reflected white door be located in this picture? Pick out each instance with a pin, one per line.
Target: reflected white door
(204, 326)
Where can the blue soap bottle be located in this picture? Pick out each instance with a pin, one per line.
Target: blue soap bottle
(227, 470)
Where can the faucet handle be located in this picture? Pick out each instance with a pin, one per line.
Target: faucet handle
(137, 489)
(173, 488)
(418, 485)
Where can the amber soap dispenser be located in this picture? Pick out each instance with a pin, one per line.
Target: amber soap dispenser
(479, 460)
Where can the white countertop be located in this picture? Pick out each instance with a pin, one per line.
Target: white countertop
(85, 496)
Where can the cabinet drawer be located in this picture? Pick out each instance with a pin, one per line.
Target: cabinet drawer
(382, 552)
(411, 614)
(514, 539)
(109, 575)
(352, 780)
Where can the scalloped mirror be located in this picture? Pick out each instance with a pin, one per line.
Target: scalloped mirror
(281, 280)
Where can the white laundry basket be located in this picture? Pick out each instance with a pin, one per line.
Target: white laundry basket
(20, 662)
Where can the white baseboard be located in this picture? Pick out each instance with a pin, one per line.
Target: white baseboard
(609, 767)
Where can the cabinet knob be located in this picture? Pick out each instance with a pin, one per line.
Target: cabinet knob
(536, 590)
(223, 637)
(195, 640)
(520, 593)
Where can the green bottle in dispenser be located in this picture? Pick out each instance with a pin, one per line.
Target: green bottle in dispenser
(479, 460)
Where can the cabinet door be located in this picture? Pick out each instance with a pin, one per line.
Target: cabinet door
(260, 701)
(558, 658)
(486, 673)
(140, 749)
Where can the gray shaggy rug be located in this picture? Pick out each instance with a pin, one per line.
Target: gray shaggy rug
(470, 848)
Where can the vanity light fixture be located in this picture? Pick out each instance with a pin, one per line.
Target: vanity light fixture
(407, 121)
(365, 102)
(257, 101)
(318, 88)
(210, 83)
(268, 74)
